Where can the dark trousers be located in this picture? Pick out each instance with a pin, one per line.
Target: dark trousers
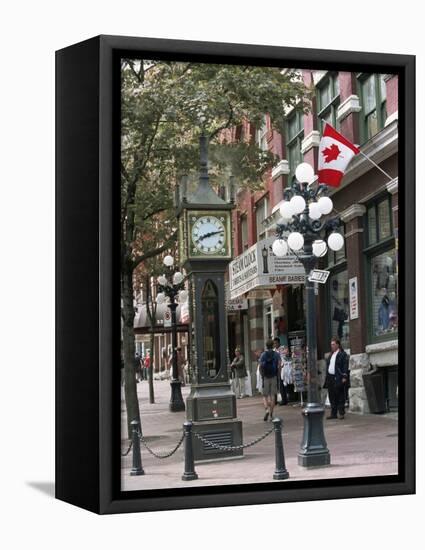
(336, 396)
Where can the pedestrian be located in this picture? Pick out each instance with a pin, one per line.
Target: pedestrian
(180, 363)
(269, 371)
(138, 367)
(286, 376)
(276, 346)
(336, 379)
(238, 366)
(147, 364)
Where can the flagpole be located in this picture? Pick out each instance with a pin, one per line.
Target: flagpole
(376, 166)
(365, 156)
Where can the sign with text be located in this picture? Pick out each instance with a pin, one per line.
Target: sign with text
(319, 276)
(259, 268)
(354, 299)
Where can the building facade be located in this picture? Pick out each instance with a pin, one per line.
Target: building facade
(358, 304)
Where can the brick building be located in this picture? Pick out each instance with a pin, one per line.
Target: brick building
(359, 301)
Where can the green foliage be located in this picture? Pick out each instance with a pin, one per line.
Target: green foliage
(165, 106)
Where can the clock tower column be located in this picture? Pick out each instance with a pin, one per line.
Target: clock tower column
(205, 251)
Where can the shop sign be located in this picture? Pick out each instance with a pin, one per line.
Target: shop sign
(354, 300)
(259, 268)
(236, 304)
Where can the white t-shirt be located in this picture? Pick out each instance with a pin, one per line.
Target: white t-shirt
(332, 362)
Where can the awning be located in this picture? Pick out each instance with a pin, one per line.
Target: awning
(259, 268)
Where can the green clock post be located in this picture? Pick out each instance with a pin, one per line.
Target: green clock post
(205, 250)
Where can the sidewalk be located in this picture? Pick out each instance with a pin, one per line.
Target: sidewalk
(360, 445)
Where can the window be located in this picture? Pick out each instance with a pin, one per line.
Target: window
(382, 270)
(211, 329)
(244, 232)
(373, 98)
(261, 213)
(340, 326)
(383, 275)
(379, 222)
(268, 321)
(294, 137)
(261, 135)
(327, 94)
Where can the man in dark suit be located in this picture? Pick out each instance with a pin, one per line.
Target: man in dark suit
(336, 379)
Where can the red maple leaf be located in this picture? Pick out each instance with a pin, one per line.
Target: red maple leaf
(331, 153)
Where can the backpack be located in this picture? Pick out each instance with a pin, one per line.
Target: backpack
(269, 364)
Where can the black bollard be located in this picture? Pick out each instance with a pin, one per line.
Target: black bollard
(281, 472)
(189, 464)
(137, 469)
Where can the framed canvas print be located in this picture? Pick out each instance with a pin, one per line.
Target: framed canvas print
(235, 274)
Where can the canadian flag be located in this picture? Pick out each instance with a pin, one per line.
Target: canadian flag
(335, 152)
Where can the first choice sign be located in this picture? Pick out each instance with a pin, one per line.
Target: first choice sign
(258, 267)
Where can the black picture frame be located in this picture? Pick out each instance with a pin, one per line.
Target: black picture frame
(87, 249)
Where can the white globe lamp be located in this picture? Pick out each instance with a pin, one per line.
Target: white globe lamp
(314, 211)
(168, 261)
(297, 203)
(279, 247)
(335, 241)
(178, 277)
(286, 210)
(295, 241)
(304, 173)
(183, 295)
(325, 205)
(160, 299)
(319, 248)
(162, 280)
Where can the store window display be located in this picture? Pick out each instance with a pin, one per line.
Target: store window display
(384, 293)
(340, 326)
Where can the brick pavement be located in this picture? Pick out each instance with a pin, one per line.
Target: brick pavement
(360, 445)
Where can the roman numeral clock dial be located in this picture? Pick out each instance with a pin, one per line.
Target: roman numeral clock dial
(209, 235)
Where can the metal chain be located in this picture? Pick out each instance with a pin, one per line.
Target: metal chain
(128, 450)
(229, 447)
(157, 455)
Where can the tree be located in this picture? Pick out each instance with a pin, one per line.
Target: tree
(165, 106)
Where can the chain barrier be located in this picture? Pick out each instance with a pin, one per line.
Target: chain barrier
(128, 450)
(230, 447)
(157, 455)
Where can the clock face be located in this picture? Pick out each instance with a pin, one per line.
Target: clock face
(209, 235)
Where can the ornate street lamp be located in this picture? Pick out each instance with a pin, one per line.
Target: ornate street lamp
(301, 231)
(171, 286)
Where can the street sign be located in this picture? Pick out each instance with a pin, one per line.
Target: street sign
(319, 276)
(167, 318)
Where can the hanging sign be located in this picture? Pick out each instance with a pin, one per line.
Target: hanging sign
(354, 299)
(258, 268)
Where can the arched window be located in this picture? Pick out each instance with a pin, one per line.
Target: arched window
(211, 329)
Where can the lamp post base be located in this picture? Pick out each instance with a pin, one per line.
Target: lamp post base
(314, 450)
(176, 401)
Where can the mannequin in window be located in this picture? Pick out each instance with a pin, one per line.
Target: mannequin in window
(384, 314)
(339, 312)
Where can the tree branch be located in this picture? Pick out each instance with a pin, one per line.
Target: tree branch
(155, 252)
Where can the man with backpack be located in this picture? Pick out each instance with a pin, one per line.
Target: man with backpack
(269, 371)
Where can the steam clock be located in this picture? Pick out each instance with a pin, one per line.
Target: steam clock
(205, 251)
